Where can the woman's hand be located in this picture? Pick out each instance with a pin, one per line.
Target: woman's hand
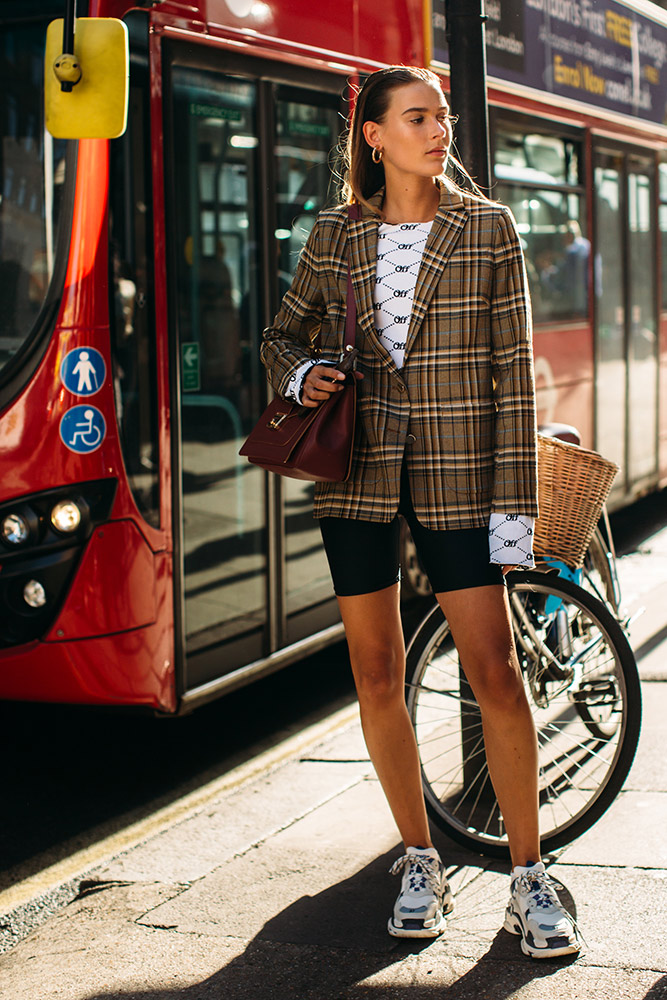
(507, 569)
(319, 383)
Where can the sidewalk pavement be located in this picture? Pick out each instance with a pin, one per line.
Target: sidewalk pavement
(278, 890)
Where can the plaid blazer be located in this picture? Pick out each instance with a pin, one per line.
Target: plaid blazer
(462, 408)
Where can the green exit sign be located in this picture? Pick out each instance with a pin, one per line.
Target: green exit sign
(190, 369)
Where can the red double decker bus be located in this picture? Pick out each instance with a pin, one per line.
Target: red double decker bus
(142, 561)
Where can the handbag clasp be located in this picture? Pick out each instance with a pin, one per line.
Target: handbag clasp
(276, 421)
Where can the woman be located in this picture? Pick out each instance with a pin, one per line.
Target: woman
(447, 438)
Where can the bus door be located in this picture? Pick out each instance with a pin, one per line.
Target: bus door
(626, 328)
(247, 170)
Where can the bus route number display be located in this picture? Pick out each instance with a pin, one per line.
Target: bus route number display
(600, 53)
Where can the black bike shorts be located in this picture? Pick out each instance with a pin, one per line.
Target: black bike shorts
(364, 555)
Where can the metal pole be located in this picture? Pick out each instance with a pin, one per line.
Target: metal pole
(68, 26)
(467, 81)
(467, 74)
(68, 43)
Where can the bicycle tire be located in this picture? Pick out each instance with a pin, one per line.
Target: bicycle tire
(598, 575)
(582, 767)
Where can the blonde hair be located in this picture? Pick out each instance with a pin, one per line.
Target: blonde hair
(363, 176)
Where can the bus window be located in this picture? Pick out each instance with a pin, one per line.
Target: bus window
(538, 177)
(131, 286)
(643, 327)
(308, 129)
(217, 309)
(32, 175)
(662, 223)
(611, 398)
(626, 321)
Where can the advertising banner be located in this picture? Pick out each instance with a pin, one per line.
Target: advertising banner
(600, 52)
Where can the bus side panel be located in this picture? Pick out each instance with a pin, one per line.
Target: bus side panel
(130, 668)
(33, 455)
(114, 588)
(564, 378)
(364, 29)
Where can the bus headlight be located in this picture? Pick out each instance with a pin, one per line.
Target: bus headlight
(15, 529)
(66, 517)
(34, 594)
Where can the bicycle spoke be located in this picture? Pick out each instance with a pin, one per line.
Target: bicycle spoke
(577, 683)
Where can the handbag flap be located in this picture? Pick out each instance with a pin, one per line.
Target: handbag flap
(280, 429)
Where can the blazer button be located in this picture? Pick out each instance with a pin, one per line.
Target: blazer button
(411, 439)
(400, 387)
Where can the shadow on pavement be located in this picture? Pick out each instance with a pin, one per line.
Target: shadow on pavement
(658, 991)
(327, 947)
(632, 525)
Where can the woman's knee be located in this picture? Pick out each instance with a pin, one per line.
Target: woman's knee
(379, 676)
(498, 685)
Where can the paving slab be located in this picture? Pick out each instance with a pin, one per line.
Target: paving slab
(238, 820)
(649, 770)
(644, 596)
(279, 891)
(323, 880)
(631, 834)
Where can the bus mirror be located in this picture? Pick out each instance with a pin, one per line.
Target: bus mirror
(85, 92)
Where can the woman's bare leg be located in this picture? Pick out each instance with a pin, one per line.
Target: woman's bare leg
(377, 653)
(480, 625)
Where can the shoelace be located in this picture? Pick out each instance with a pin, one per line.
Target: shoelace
(542, 888)
(427, 871)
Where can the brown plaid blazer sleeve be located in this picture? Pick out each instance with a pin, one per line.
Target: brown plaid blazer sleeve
(515, 473)
(461, 410)
(312, 306)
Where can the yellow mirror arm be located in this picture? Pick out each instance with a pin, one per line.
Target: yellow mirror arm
(66, 67)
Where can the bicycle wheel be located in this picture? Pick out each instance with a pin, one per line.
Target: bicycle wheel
(599, 574)
(583, 687)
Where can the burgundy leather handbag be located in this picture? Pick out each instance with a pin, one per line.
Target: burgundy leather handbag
(312, 443)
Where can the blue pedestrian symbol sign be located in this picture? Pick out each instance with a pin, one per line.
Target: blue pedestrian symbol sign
(83, 429)
(83, 371)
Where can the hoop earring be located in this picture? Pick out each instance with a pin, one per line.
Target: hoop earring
(376, 155)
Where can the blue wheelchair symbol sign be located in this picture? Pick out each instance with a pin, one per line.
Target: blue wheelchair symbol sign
(83, 371)
(83, 429)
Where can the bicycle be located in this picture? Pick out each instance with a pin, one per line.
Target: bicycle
(583, 686)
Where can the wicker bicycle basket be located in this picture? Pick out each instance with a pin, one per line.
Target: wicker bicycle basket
(573, 484)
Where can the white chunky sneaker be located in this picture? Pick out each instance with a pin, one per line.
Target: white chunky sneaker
(535, 913)
(425, 897)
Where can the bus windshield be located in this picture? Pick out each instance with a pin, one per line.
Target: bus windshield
(32, 175)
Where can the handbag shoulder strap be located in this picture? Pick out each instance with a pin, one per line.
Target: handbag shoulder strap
(353, 212)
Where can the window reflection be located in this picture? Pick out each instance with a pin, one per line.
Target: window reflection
(548, 156)
(535, 174)
(642, 339)
(218, 308)
(32, 174)
(662, 225)
(306, 134)
(610, 396)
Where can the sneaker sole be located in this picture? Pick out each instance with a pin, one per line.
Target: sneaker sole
(513, 925)
(417, 932)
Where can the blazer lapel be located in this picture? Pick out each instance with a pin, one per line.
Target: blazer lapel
(363, 246)
(362, 249)
(448, 224)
